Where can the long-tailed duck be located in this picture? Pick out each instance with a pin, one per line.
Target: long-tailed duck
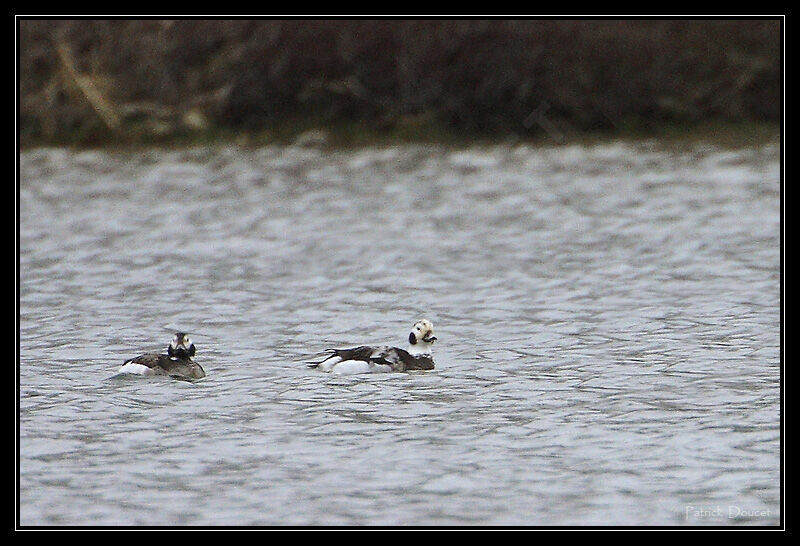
(176, 363)
(365, 359)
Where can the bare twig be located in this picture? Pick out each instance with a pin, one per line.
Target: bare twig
(101, 106)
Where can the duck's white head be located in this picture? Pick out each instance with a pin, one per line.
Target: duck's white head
(421, 337)
(181, 346)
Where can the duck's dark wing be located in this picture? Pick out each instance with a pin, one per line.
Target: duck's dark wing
(389, 356)
(401, 360)
(416, 362)
(151, 360)
(363, 353)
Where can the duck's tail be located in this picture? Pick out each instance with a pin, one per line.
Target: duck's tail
(330, 352)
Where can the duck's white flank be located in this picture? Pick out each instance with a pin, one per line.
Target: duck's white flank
(135, 369)
(347, 367)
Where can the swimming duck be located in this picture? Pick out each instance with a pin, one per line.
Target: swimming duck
(176, 363)
(366, 358)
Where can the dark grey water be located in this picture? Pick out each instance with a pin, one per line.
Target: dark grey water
(608, 324)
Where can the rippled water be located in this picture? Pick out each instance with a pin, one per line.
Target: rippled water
(608, 325)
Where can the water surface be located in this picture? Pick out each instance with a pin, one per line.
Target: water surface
(607, 315)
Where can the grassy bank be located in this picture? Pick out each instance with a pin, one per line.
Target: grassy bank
(121, 82)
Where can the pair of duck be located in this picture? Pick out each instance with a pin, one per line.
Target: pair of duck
(178, 361)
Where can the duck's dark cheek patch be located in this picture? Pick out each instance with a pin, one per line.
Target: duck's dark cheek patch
(412, 339)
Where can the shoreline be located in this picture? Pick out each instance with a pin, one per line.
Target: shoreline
(352, 135)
